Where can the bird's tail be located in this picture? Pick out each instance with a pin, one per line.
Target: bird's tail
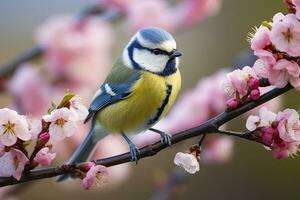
(87, 147)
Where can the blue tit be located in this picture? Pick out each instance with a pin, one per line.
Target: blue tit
(139, 90)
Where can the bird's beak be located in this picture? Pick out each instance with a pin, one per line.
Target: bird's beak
(175, 53)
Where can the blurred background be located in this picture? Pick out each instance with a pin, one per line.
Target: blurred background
(208, 45)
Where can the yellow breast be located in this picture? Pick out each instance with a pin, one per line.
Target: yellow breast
(149, 95)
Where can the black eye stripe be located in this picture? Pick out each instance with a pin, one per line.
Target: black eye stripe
(158, 51)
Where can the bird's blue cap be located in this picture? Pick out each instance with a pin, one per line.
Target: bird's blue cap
(155, 35)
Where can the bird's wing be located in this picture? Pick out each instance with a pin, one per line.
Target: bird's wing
(117, 86)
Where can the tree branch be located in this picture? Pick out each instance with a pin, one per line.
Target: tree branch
(210, 126)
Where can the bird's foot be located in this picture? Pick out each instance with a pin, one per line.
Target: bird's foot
(165, 138)
(134, 152)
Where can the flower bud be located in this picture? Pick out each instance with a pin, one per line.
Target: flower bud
(44, 137)
(255, 94)
(232, 103)
(268, 135)
(253, 83)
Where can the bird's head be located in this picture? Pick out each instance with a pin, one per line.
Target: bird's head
(152, 49)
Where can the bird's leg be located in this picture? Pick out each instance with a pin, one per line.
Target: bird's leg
(134, 151)
(165, 138)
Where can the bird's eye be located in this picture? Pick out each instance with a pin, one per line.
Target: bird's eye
(156, 51)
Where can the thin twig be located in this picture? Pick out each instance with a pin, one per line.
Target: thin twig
(249, 135)
(210, 126)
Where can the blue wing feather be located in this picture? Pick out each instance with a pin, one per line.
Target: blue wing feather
(104, 99)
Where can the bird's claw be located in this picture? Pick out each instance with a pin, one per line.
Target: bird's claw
(166, 139)
(135, 153)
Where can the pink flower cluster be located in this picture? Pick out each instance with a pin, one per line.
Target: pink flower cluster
(73, 49)
(96, 175)
(280, 131)
(17, 131)
(160, 13)
(241, 85)
(277, 45)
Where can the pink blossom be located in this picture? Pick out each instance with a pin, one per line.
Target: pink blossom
(189, 12)
(187, 161)
(75, 49)
(268, 134)
(297, 5)
(285, 149)
(232, 103)
(238, 81)
(113, 145)
(284, 72)
(44, 157)
(78, 108)
(63, 123)
(260, 68)
(97, 175)
(35, 127)
(118, 4)
(12, 126)
(265, 118)
(274, 104)
(289, 125)
(30, 89)
(217, 150)
(44, 137)
(252, 122)
(150, 13)
(12, 164)
(285, 35)
(255, 94)
(261, 38)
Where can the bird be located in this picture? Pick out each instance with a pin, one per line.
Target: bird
(139, 90)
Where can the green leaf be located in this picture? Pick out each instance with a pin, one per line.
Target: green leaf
(66, 100)
(53, 107)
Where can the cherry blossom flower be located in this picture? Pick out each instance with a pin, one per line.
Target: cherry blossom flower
(217, 150)
(252, 122)
(189, 12)
(289, 125)
(297, 5)
(237, 81)
(78, 108)
(44, 157)
(73, 49)
(187, 161)
(34, 126)
(284, 72)
(97, 175)
(63, 123)
(12, 164)
(150, 13)
(119, 4)
(31, 90)
(265, 118)
(261, 38)
(12, 126)
(285, 34)
(285, 149)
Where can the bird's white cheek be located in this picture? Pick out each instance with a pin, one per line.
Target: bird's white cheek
(149, 61)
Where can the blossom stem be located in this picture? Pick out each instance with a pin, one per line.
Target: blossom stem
(248, 135)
